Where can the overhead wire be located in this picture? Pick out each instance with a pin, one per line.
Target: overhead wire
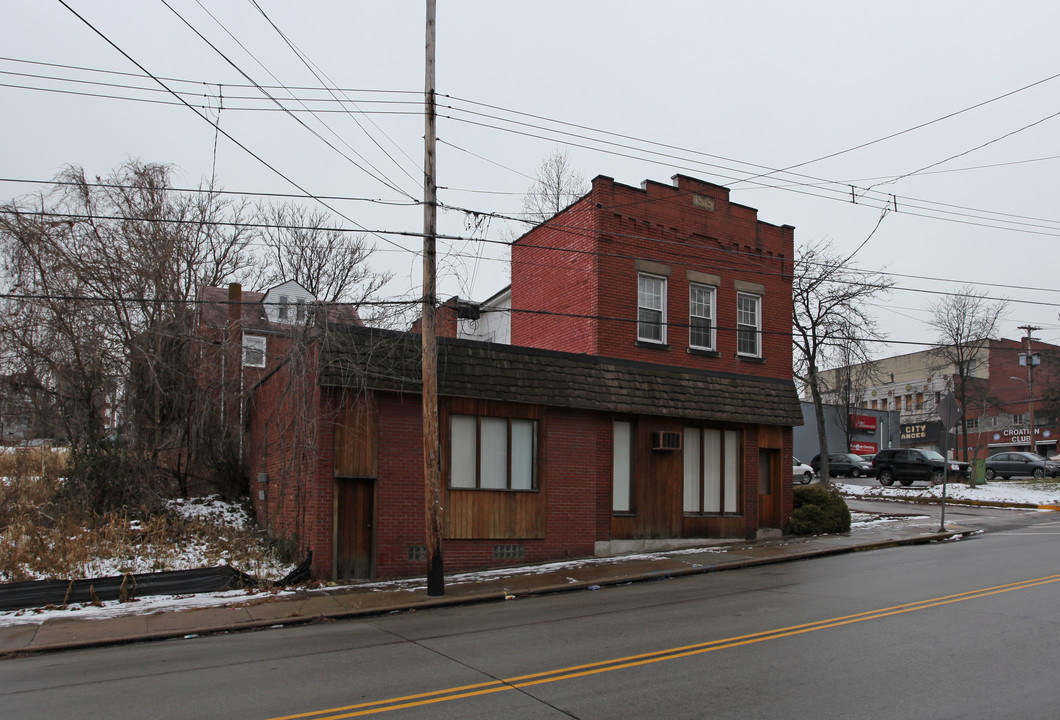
(377, 175)
(317, 72)
(838, 191)
(224, 132)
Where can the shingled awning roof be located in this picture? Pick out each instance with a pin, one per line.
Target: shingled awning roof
(377, 360)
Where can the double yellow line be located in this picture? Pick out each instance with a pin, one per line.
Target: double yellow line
(576, 671)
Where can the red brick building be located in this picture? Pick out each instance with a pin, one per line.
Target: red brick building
(645, 400)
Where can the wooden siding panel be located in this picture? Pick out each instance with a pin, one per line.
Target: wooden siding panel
(357, 437)
(498, 515)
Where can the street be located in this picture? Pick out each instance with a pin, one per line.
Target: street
(960, 629)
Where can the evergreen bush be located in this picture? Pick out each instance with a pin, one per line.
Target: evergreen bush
(818, 510)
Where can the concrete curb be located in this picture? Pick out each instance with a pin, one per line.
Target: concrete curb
(487, 596)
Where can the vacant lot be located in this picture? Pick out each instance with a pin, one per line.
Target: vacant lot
(43, 537)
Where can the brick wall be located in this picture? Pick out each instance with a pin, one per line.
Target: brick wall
(574, 279)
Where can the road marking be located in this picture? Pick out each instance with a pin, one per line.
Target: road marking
(576, 671)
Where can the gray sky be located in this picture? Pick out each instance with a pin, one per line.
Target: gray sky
(722, 91)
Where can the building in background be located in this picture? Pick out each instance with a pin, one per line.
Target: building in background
(1000, 395)
(869, 431)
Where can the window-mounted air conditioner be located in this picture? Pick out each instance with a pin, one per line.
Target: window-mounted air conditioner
(666, 441)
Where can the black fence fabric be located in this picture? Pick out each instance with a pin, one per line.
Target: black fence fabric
(58, 593)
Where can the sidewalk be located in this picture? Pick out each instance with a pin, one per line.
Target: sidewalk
(55, 632)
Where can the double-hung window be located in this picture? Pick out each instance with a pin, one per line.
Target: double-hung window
(492, 453)
(254, 351)
(748, 325)
(651, 308)
(701, 317)
(711, 470)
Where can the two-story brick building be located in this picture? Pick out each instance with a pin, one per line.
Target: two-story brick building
(645, 399)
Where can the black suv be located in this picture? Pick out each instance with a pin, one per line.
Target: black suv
(908, 464)
(845, 464)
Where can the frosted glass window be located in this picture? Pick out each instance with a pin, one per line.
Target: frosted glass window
(492, 453)
(711, 470)
(732, 464)
(691, 471)
(522, 454)
(621, 467)
(463, 453)
(494, 456)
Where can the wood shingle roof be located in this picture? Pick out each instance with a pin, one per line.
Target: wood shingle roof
(377, 360)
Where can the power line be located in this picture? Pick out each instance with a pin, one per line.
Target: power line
(314, 68)
(205, 191)
(203, 117)
(379, 177)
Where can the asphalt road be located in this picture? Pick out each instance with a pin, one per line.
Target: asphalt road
(952, 630)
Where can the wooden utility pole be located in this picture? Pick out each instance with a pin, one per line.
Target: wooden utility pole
(1030, 358)
(432, 471)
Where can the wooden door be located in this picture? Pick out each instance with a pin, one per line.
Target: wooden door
(769, 488)
(354, 534)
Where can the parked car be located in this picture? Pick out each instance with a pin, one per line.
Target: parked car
(845, 464)
(800, 471)
(1020, 464)
(868, 458)
(907, 465)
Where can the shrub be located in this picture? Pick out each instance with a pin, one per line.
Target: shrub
(818, 510)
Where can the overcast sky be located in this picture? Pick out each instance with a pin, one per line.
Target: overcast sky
(727, 92)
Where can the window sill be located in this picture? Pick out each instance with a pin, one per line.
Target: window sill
(751, 359)
(703, 353)
(651, 345)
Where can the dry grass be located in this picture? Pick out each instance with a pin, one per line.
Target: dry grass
(32, 462)
(41, 538)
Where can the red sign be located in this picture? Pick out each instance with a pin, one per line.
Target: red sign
(863, 448)
(863, 422)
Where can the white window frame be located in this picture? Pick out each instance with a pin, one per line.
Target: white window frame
(744, 327)
(489, 452)
(648, 294)
(695, 312)
(282, 308)
(254, 351)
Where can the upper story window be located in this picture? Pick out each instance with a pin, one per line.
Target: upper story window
(492, 453)
(254, 351)
(748, 324)
(651, 308)
(701, 316)
(281, 311)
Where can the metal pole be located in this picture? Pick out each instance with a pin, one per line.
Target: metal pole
(432, 475)
(945, 475)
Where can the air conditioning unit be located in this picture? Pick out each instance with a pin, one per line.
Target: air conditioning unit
(666, 441)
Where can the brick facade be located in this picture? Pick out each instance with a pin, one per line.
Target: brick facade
(575, 366)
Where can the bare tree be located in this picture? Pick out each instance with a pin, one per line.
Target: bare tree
(964, 323)
(556, 185)
(831, 321)
(330, 262)
(101, 281)
(851, 379)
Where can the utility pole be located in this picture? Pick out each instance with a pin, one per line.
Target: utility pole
(432, 471)
(1029, 359)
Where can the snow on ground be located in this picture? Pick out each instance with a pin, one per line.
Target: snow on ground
(1026, 493)
(996, 492)
(211, 508)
